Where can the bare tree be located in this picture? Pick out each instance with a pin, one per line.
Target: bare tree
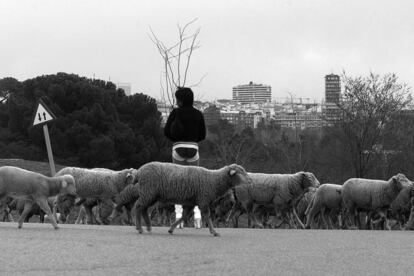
(177, 58)
(368, 104)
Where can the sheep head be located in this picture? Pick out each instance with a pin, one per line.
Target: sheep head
(64, 204)
(309, 180)
(399, 181)
(67, 185)
(130, 177)
(238, 175)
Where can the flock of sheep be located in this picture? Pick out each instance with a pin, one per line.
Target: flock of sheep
(297, 200)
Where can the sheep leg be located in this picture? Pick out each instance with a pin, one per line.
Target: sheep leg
(54, 210)
(115, 213)
(369, 223)
(410, 223)
(231, 214)
(28, 216)
(6, 210)
(80, 215)
(309, 218)
(288, 218)
(27, 208)
(128, 214)
(323, 215)
(44, 206)
(252, 216)
(297, 218)
(146, 219)
(206, 214)
(175, 224)
(138, 215)
(383, 220)
(330, 222)
(339, 216)
(353, 216)
(42, 217)
(8, 215)
(90, 217)
(184, 217)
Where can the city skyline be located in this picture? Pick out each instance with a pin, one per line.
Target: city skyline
(288, 45)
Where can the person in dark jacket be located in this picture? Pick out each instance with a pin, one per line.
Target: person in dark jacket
(185, 127)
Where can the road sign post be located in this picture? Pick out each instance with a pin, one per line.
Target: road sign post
(49, 150)
(41, 117)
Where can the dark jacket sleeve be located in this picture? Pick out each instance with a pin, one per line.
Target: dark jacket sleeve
(202, 134)
(167, 128)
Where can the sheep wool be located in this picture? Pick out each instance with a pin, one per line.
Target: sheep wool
(283, 191)
(99, 183)
(371, 195)
(326, 197)
(185, 185)
(33, 188)
(401, 205)
(127, 196)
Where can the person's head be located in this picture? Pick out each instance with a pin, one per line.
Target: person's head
(184, 96)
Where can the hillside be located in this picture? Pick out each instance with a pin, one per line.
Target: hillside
(35, 166)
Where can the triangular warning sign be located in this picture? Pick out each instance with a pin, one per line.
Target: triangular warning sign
(42, 114)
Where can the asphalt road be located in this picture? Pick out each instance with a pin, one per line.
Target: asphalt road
(38, 249)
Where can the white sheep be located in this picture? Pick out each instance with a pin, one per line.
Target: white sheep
(33, 187)
(327, 197)
(371, 196)
(401, 206)
(410, 223)
(185, 185)
(125, 200)
(98, 183)
(282, 191)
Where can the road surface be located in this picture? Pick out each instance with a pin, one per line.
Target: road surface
(38, 249)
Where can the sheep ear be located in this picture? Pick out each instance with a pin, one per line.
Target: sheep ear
(64, 184)
(232, 172)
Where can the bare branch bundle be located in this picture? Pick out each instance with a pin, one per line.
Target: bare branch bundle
(177, 58)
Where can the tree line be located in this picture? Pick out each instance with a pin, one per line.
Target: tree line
(98, 125)
(371, 135)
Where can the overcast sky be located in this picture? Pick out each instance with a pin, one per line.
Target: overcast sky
(290, 45)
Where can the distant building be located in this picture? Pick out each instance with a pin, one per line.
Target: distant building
(252, 93)
(332, 88)
(331, 111)
(299, 120)
(230, 116)
(241, 119)
(124, 86)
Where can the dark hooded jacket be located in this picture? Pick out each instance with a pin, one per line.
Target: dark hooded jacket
(185, 123)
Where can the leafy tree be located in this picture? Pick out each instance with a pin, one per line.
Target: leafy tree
(368, 105)
(97, 125)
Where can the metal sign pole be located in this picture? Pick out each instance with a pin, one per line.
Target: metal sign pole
(49, 150)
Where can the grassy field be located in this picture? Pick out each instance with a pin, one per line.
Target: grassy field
(35, 166)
